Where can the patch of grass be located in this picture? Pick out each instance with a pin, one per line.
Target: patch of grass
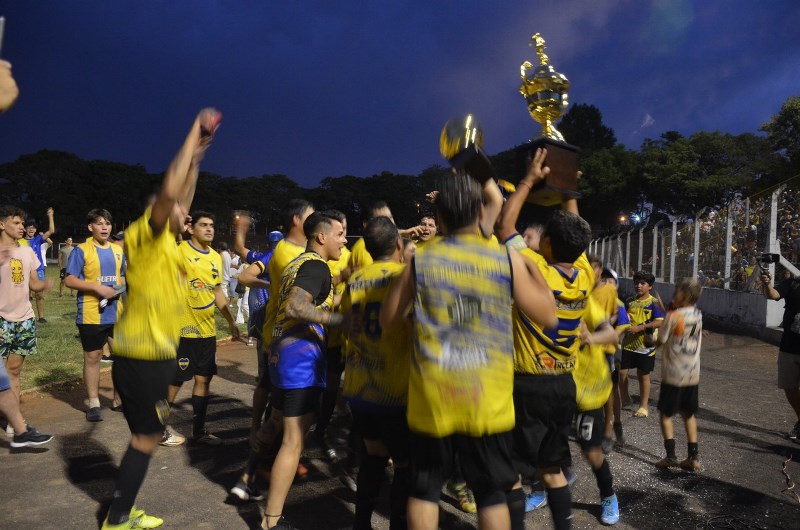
(60, 356)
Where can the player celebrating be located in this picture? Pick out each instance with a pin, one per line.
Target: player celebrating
(148, 331)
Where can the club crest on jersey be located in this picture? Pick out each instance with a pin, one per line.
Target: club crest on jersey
(183, 363)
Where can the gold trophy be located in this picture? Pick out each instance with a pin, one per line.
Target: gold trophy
(546, 93)
(461, 143)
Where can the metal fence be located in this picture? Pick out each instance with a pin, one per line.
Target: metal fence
(721, 246)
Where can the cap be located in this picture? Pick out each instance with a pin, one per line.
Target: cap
(274, 236)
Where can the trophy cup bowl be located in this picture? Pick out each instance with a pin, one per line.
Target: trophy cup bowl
(461, 143)
(546, 92)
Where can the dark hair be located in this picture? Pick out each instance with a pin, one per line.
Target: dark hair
(98, 213)
(294, 208)
(645, 277)
(569, 235)
(428, 216)
(380, 237)
(199, 214)
(315, 223)
(222, 246)
(336, 214)
(459, 201)
(8, 210)
(375, 206)
(30, 222)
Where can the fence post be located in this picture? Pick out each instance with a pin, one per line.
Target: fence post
(641, 245)
(628, 253)
(772, 241)
(696, 251)
(674, 249)
(654, 254)
(728, 245)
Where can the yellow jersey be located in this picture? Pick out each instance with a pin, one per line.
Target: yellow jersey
(359, 257)
(335, 337)
(542, 351)
(462, 371)
(285, 251)
(592, 373)
(377, 360)
(203, 275)
(149, 327)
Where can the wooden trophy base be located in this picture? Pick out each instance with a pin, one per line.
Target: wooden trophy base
(562, 159)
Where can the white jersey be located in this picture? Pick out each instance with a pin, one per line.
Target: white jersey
(681, 334)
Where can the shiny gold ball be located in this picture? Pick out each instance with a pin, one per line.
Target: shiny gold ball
(459, 134)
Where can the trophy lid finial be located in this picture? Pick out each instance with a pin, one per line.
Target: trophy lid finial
(538, 42)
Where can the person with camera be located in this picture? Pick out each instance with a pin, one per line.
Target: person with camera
(789, 349)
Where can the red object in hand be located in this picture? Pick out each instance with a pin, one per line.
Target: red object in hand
(210, 119)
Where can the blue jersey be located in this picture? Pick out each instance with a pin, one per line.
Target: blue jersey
(35, 243)
(257, 301)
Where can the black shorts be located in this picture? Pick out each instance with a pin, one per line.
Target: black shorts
(683, 399)
(544, 406)
(335, 359)
(196, 357)
(589, 427)
(295, 402)
(63, 273)
(485, 461)
(391, 428)
(95, 336)
(643, 363)
(142, 387)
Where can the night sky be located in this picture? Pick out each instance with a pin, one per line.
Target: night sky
(322, 88)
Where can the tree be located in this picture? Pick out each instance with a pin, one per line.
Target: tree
(783, 133)
(582, 126)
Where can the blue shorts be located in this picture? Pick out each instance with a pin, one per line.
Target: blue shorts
(5, 383)
(40, 274)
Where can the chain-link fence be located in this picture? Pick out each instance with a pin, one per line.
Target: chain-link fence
(721, 246)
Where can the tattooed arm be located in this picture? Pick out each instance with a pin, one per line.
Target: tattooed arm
(301, 306)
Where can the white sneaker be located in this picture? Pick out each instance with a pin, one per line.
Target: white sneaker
(171, 438)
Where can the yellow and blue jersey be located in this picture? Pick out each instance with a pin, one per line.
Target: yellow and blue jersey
(297, 353)
(377, 360)
(203, 275)
(462, 370)
(150, 326)
(35, 243)
(554, 351)
(95, 263)
(641, 311)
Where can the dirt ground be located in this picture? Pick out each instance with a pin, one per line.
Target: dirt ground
(742, 423)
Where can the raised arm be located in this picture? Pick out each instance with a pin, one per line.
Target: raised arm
(242, 223)
(769, 291)
(249, 277)
(51, 226)
(492, 205)
(177, 182)
(507, 221)
(398, 301)
(8, 87)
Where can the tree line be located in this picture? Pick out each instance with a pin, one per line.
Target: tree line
(669, 176)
